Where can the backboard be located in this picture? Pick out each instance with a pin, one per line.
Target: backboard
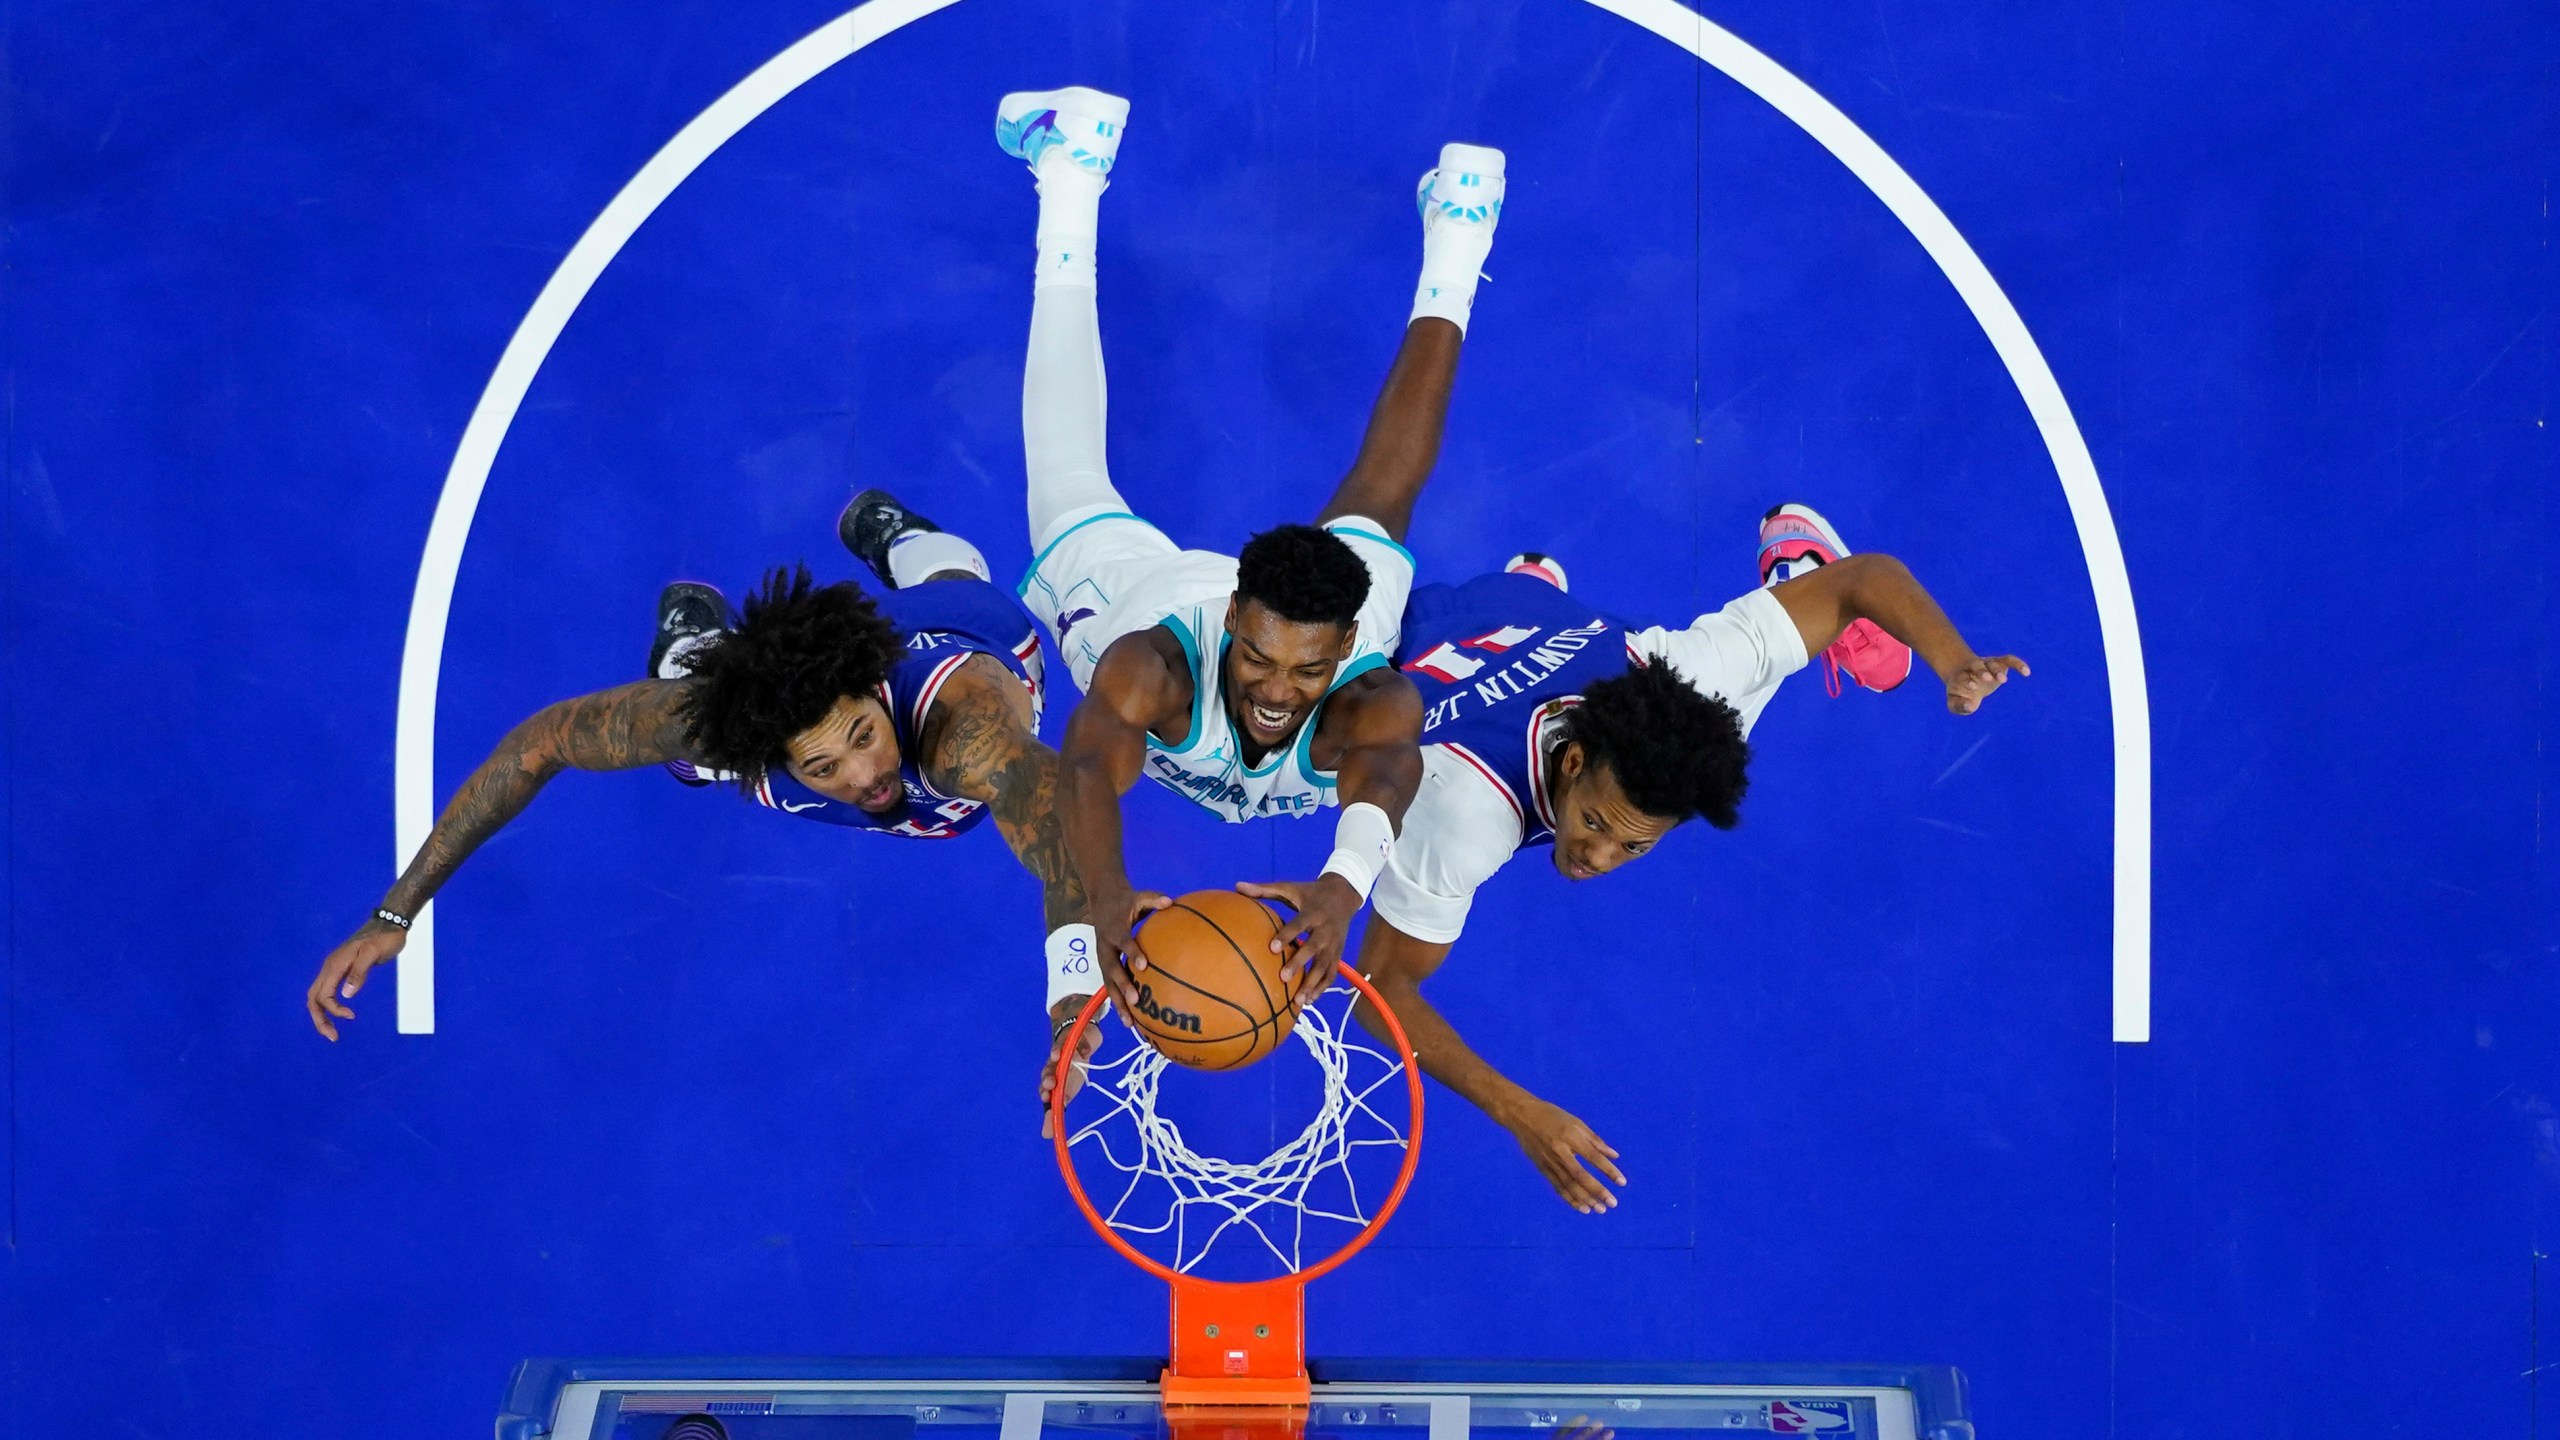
(1102, 1399)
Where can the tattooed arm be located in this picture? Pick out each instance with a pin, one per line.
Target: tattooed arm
(979, 744)
(617, 729)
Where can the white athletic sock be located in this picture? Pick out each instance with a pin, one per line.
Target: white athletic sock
(1453, 257)
(919, 555)
(1070, 218)
(1065, 409)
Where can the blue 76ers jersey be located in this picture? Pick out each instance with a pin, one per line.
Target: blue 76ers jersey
(1497, 659)
(943, 622)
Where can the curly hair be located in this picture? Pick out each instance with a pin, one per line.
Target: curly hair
(797, 650)
(1303, 575)
(1676, 753)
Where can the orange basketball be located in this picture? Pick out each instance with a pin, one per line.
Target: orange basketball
(1212, 996)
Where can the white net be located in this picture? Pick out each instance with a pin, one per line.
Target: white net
(1171, 1192)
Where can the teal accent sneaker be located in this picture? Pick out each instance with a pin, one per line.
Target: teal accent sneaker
(1031, 123)
(1466, 189)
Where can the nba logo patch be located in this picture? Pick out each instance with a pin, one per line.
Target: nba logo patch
(1808, 1417)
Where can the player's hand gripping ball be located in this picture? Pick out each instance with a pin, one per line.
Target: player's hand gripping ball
(1213, 996)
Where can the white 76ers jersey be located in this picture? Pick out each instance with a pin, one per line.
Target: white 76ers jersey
(1208, 767)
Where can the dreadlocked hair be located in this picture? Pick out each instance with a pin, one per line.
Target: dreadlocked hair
(1676, 752)
(1303, 575)
(797, 649)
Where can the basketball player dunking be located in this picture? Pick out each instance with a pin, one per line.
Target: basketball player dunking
(1549, 723)
(914, 715)
(1256, 685)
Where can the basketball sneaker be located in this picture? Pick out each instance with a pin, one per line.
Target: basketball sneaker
(1795, 540)
(1464, 189)
(1031, 123)
(872, 522)
(1545, 567)
(687, 611)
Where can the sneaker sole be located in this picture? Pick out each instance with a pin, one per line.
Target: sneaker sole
(1810, 516)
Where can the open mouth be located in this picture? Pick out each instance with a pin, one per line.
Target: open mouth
(880, 796)
(1267, 720)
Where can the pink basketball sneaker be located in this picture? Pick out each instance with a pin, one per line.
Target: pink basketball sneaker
(1796, 540)
(1545, 567)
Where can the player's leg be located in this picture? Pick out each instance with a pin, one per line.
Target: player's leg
(1461, 203)
(1088, 551)
(902, 547)
(689, 615)
(1070, 138)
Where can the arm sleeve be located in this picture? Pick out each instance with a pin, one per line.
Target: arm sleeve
(1458, 832)
(1739, 654)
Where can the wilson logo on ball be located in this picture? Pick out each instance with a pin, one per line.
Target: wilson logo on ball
(1163, 1014)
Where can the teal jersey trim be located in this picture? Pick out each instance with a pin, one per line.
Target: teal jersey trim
(1190, 652)
(1340, 527)
(1307, 734)
(1034, 572)
(1357, 668)
(1306, 750)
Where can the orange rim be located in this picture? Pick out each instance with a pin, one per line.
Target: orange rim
(1131, 1253)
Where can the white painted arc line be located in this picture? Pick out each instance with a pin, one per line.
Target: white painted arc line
(431, 603)
(2128, 686)
(414, 747)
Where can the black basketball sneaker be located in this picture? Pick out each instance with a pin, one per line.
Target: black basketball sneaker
(872, 522)
(687, 610)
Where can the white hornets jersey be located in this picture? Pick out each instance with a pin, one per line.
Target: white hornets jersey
(1208, 767)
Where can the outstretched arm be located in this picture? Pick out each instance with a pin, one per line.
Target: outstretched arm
(1403, 440)
(979, 744)
(1880, 588)
(1136, 687)
(1559, 1144)
(1377, 722)
(618, 729)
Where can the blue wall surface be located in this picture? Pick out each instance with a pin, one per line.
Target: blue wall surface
(708, 1081)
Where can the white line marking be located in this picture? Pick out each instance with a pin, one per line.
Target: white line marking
(422, 659)
(2128, 691)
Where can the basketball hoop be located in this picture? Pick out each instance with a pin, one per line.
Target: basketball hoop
(1242, 1343)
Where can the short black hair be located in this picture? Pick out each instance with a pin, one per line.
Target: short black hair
(1303, 575)
(1675, 752)
(798, 649)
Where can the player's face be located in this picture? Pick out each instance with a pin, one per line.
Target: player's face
(1277, 671)
(1597, 829)
(851, 756)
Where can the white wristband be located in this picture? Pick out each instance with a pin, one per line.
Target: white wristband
(1361, 841)
(1071, 967)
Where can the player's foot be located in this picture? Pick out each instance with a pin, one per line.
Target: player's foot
(872, 522)
(1465, 189)
(687, 611)
(1796, 540)
(1545, 567)
(1087, 122)
(1461, 203)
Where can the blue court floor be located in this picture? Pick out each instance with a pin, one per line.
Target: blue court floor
(705, 1081)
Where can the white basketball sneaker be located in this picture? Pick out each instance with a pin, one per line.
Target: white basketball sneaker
(1087, 122)
(1466, 189)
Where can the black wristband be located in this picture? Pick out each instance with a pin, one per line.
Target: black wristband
(392, 917)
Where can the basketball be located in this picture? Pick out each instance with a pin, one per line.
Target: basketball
(1212, 996)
